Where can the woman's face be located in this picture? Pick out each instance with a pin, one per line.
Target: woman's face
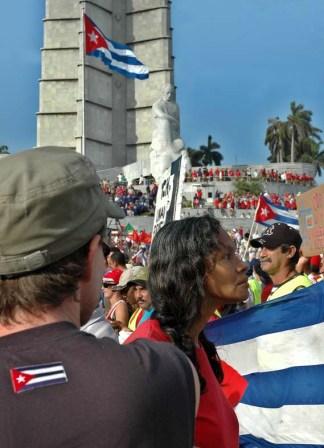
(226, 281)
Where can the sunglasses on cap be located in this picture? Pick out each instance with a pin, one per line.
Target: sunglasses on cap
(107, 285)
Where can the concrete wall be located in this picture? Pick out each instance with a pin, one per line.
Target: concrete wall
(118, 122)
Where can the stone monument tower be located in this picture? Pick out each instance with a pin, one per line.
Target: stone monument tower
(117, 121)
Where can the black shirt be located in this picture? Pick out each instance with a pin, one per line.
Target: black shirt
(140, 395)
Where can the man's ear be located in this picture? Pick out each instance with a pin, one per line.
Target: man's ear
(291, 252)
(94, 246)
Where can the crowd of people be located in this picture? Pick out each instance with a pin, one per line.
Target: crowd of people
(58, 274)
(250, 252)
(130, 198)
(248, 201)
(211, 174)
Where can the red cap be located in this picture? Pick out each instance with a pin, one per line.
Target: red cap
(315, 261)
(113, 276)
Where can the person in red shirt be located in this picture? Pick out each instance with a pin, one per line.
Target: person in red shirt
(193, 271)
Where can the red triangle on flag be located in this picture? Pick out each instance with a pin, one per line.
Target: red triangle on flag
(93, 36)
(264, 212)
(19, 379)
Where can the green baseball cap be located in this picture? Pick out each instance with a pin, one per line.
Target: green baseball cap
(51, 204)
(132, 276)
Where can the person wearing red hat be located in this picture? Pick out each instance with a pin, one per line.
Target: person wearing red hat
(117, 307)
(314, 266)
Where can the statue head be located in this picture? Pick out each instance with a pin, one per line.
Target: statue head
(168, 92)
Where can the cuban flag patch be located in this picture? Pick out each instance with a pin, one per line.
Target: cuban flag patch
(41, 375)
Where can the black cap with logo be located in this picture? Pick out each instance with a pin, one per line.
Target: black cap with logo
(277, 234)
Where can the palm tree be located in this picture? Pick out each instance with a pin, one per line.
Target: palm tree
(194, 156)
(209, 154)
(276, 139)
(4, 149)
(206, 155)
(312, 153)
(300, 127)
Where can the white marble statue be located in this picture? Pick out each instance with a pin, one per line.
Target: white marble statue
(167, 145)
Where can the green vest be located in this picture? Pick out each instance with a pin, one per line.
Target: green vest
(298, 282)
(256, 289)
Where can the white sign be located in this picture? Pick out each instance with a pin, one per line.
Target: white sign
(169, 195)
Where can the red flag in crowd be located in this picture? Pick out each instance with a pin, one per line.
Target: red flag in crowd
(134, 236)
(145, 237)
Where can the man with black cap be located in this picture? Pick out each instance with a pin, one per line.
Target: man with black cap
(59, 386)
(280, 245)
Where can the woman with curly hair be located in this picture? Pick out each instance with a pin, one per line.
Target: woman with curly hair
(193, 269)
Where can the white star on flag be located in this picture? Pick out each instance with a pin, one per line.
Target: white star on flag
(264, 212)
(21, 379)
(93, 37)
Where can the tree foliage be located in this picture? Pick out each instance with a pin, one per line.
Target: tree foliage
(294, 139)
(4, 149)
(242, 186)
(206, 155)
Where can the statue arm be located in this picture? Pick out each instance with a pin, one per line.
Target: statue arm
(158, 112)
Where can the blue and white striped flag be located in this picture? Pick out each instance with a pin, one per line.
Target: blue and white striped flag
(267, 213)
(279, 348)
(116, 56)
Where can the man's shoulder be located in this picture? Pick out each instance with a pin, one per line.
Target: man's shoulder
(300, 281)
(85, 356)
(289, 286)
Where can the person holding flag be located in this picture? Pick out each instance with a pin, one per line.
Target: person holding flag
(280, 246)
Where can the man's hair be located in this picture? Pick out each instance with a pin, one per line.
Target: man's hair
(182, 254)
(118, 258)
(45, 288)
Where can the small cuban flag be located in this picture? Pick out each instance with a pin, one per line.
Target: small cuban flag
(268, 213)
(41, 375)
(116, 56)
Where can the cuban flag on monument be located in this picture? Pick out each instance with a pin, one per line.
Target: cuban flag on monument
(268, 213)
(118, 57)
(278, 347)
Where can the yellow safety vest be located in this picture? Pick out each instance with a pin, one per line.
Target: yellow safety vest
(256, 289)
(298, 282)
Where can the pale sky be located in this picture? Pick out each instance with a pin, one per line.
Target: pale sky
(237, 63)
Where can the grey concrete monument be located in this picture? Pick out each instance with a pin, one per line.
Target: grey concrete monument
(167, 144)
(118, 124)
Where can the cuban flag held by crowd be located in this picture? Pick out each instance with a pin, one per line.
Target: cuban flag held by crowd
(268, 213)
(116, 56)
(278, 347)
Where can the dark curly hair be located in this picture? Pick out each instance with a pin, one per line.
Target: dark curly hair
(181, 254)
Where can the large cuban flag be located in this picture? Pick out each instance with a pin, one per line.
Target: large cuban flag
(268, 213)
(279, 348)
(116, 56)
